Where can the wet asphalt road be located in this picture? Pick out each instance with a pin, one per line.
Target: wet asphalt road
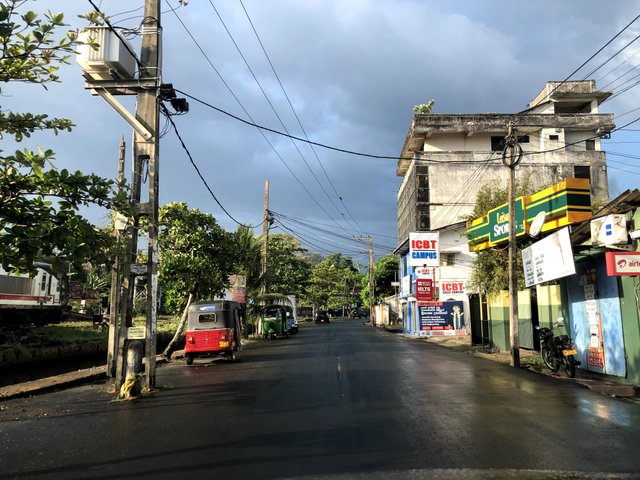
(336, 401)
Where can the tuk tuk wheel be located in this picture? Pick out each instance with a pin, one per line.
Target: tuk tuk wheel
(189, 358)
(232, 357)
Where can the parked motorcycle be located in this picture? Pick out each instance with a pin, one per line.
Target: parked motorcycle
(557, 351)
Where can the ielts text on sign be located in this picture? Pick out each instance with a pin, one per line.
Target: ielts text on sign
(424, 290)
(424, 249)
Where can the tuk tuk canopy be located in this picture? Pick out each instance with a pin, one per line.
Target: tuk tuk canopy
(212, 315)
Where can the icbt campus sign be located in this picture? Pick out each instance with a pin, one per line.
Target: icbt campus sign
(423, 249)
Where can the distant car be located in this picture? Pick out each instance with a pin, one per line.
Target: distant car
(322, 316)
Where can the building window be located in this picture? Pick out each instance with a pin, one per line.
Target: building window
(43, 284)
(497, 143)
(581, 171)
(448, 259)
(554, 137)
(590, 144)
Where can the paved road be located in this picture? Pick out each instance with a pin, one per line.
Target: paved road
(336, 401)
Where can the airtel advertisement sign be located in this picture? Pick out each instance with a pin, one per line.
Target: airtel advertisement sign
(623, 264)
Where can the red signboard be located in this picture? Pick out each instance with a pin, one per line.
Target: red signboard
(424, 290)
(623, 263)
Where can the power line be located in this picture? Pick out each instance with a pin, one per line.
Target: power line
(314, 228)
(184, 147)
(273, 109)
(275, 73)
(317, 144)
(247, 113)
(122, 40)
(585, 63)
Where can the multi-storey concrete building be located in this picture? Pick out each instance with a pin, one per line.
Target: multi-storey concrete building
(446, 158)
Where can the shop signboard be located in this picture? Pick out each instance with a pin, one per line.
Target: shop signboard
(623, 263)
(238, 288)
(563, 204)
(442, 318)
(548, 259)
(425, 291)
(451, 287)
(423, 249)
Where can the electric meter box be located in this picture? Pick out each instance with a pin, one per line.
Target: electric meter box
(111, 61)
(609, 230)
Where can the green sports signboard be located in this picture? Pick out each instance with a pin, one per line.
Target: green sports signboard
(564, 203)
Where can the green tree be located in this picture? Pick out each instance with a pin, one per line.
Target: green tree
(195, 259)
(385, 271)
(491, 266)
(332, 282)
(247, 257)
(287, 271)
(39, 204)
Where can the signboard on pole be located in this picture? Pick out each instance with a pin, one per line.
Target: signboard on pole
(425, 272)
(425, 291)
(405, 286)
(548, 259)
(424, 248)
(238, 284)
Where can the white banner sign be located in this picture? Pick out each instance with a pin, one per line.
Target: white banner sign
(548, 259)
(424, 248)
(406, 286)
(451, 287)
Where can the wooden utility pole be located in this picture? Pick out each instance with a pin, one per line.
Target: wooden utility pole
(371, 286)
(511, 156)
(114, 300)
(264, 251)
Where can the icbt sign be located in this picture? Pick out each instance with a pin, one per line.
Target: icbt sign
(423, 249)
(451, 288)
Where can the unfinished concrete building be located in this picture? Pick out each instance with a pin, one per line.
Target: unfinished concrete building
(447, 158)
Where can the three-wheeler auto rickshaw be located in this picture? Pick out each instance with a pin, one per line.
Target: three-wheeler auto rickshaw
(213, 328)
(292, 322)
(274, 321)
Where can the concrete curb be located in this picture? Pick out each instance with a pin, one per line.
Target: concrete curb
(52, 383)
(65, 380)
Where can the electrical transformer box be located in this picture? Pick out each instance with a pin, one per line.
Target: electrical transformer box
(113, 60)
(609, 230)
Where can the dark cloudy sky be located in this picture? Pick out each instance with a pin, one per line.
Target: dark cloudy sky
(353, 70)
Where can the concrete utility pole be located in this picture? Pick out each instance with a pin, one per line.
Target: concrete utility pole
(148, 114)
(147, 87)
(145, 153)
(511, 156)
